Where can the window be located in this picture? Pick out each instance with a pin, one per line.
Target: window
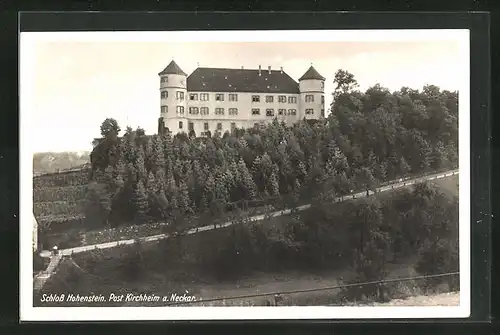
(180, 109)
(219, 126)
(255, 111)
(269, 98)
(180, 124)
(255, 98)
(233, 111)
(204, 110)
(309, 111)
(219, 97)
(281, 98)
(179, 95)
(281, 111)
(204, 96)
(164, 80)
(164, 109)
(193, 96)
(292, 112)
(194, 110)
(322, 112)
(292, 100)
(256, 125)
(262, 125)
(233, 125)
(164, 94)
(233, 97)
(309, 98)
(205, 126)
(219, 111)
(190, 126)
(323, 99)
(322, 85)
(269, 112)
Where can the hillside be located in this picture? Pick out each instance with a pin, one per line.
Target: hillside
(50, 162)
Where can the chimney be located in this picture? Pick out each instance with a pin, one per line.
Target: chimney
(281, 69)
(269, 68)
(259, 71)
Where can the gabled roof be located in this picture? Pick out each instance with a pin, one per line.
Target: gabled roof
(172, 68)
(312, 74)
(241, 80)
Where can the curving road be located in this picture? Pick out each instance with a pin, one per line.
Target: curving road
(388, 187)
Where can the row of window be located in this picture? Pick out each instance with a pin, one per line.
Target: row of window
(205, 126)
(233, 111)
(270, 111)
(179, 95)
(218, 128)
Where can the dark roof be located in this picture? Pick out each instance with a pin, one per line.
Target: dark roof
(241, 80)
(312, 74)
(172, 68)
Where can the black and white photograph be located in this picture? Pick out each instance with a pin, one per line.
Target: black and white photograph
(315, 174)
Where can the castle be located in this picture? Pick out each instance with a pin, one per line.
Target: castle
(219, 100)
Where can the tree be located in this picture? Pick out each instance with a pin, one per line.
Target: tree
(140, 201)
(110, 128)
(344, 82)
(404, 168)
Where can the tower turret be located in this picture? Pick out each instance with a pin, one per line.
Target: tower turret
(173, 96)
(312, 95)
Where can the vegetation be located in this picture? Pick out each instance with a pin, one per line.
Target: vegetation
(365, 236)
(368, 138)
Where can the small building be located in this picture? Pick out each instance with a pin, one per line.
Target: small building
(219, 100)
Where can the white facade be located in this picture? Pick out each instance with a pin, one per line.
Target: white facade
(183, 110)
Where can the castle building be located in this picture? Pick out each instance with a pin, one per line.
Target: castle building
(219, 100)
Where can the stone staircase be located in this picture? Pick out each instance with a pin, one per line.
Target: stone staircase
(42, 277)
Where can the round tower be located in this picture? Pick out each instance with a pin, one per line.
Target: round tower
(312, 95)
(173, 97)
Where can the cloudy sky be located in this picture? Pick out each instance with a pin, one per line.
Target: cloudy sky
(77, 84)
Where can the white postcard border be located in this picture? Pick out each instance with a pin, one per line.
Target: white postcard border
(27, 107)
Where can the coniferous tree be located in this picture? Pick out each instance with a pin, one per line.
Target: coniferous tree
(140, 201)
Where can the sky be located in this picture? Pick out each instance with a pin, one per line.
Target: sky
(75, 85)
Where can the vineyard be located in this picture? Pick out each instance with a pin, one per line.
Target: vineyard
(60, 198)
(64, 179)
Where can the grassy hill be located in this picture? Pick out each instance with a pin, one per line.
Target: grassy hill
(186, 263)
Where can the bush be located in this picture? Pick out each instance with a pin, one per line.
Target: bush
(440, 257)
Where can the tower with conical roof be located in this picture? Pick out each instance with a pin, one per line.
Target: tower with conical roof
(312, 95)
(173, 96)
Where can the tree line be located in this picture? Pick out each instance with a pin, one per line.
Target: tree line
(368, 138)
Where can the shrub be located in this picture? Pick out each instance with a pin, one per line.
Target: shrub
(440, 257)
